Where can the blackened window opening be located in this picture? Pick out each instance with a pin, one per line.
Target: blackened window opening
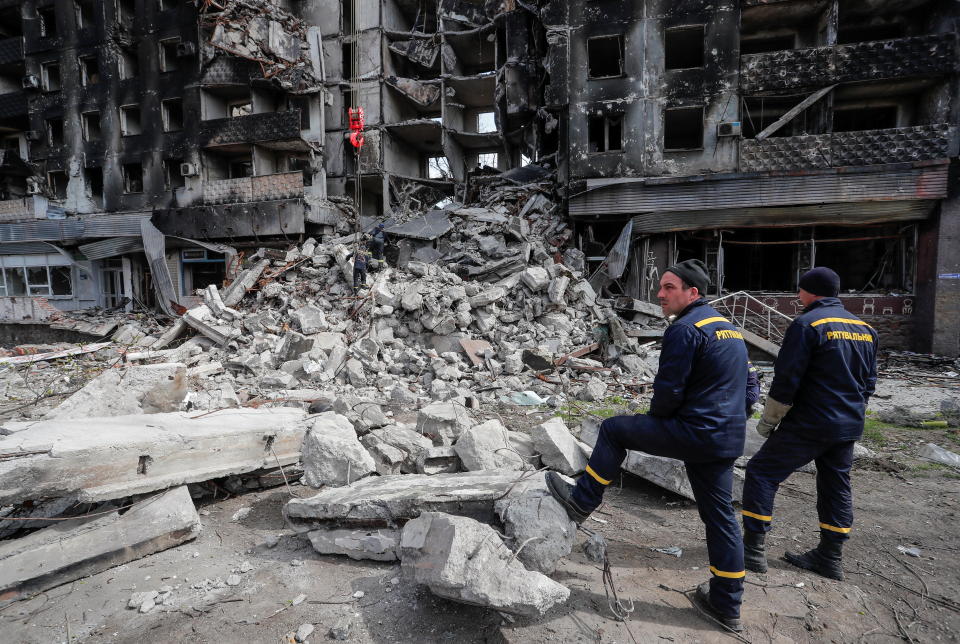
(605, 133)
(683, 128)
(764, 45)
(683, 48)
(605, 56)
(870, 118)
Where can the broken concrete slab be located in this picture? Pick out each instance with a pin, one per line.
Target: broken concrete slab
(443, 422)
(376, 545)
(64, 457)
(671, 474)
(536, 521)
(332, 453)
(535, 278)
(73, 549)
(487, 447)
(466, 561)
(392, 500)
(439, 460)
(558, 448)
(409, 443)
(310, 319)
(202, 319)
(139, 389)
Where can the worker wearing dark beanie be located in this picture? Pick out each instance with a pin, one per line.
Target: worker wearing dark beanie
(820, 281)
(693, 272)
(823, 377)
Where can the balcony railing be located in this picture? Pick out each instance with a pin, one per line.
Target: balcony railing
(268, 187)
(840, 149)
(875, 60)
(253, 128)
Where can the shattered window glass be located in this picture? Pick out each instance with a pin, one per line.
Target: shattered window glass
(60, 280)
(487, 160)
(38, 280)
(16, 283)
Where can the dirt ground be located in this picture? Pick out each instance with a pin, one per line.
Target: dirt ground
(888, 595)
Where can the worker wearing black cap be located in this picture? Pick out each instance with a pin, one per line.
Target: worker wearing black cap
(824, 375)
(697, 415)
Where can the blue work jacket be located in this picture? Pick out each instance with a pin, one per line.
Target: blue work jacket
(701, 385)
(827, 369)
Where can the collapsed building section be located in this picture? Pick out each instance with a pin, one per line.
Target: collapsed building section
(764, 138)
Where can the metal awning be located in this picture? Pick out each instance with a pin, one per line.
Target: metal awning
(846, 214)
(759, 199)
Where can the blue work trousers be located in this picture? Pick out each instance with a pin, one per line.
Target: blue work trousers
(782, 454)
(711, 480)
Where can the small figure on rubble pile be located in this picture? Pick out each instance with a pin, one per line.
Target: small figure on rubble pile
(360, 261)
(823, 378)
(378, 239)
(697, 415)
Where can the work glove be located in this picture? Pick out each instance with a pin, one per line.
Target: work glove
(773, 413)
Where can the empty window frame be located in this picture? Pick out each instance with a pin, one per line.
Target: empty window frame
(241, 168)
(93, 182)
(683, 47)
(683, 128)
(867, 118)
(486, 122)
(489, 159)
(172, 114)
(57, 181)
(90, 123)
(50, 76)
(438, 168)
(43, 281)
(130, 120)
(239, 108)
(89, 70)
(55, 132)
(126, 12)
(132, 177)
(168, 54)
(86, 13)
(47, 17)
(605, 134)
(605, 56)
(128, 64)
(172, 177)
(767, 44)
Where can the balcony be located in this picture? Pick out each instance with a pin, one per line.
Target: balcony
(268, 187)
(13, 104)
(842, 149)
(281, 129)
(11, 50)
(23, 209)
(866, 61)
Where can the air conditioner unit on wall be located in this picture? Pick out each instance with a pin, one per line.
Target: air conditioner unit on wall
(189, 169)
(31, 81)
(33, 189)
(33, 135)
(186, 49)
(729, 128)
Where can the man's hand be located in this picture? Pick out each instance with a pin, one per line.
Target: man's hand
(773, 413)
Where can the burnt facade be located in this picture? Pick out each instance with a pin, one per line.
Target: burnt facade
(121, 118)
(765, 137)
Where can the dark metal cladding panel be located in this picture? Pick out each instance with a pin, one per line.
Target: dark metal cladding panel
(268, 126)
(13, 104)
(628, 198)
(11, 50)
(225, 222)
(851, 214)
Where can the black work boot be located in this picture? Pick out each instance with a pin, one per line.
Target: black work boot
(563, 493)
(826, 559)
(702, 597)
(754, 551)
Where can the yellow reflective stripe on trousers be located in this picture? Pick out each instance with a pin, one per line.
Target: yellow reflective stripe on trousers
(707, 321)
(833, 528)
(761, 517)
(599, 478)
(841, 320)
(728, 575)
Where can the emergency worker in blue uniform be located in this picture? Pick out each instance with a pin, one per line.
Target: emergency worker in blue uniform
(378, 239)
(697, 415)
(360, 261)
(823, 378)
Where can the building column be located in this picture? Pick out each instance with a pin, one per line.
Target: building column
(945, 336)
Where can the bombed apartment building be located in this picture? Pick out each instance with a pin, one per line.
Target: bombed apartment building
(147, 142)
(425, 76)
(763, 137)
